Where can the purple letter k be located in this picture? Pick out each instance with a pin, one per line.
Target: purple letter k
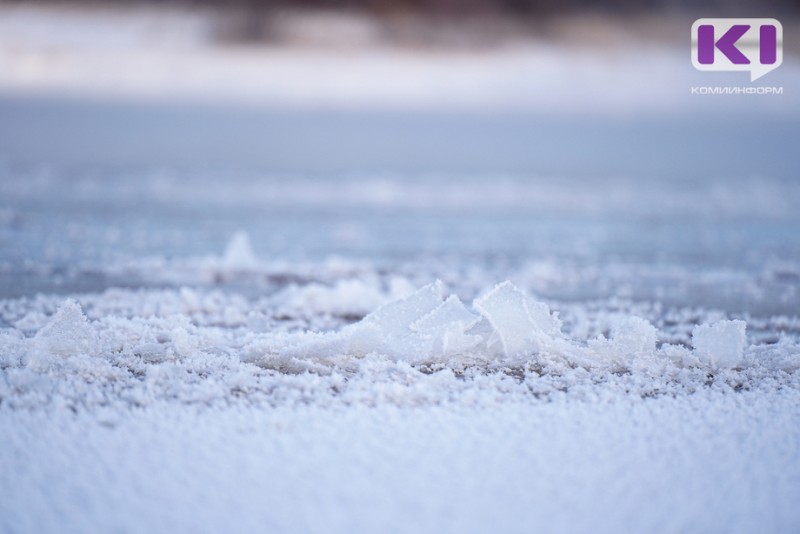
(726, 44)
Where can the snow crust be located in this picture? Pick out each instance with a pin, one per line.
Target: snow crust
(359, 404)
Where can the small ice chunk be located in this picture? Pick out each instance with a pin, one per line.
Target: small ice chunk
(67, 333)
(629, 337)
(239, 252)
(385, 331)
(454, 342)
(395, 318)
(446, 327)
(721, 344)
(522, 324)
(393, 321)
(450, 313)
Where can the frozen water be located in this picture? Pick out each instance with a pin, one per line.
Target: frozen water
(449, 313)
(396, 318)
(521, 325)
(721, 343)
(447, 326)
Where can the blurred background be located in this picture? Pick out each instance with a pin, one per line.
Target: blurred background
(554, 143)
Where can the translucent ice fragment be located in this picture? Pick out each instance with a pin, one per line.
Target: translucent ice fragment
(721, 344)
(448, 314)
(420, 327)
(522, 324)
(395, 318)
(446, 327)
(385, 331)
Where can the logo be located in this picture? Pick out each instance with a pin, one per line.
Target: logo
(754, 45)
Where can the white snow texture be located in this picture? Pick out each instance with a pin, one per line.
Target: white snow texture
(197, 410)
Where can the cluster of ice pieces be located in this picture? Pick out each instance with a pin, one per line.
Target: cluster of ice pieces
(134, 348)
(504, 326)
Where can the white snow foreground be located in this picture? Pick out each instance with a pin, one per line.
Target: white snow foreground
(504, 327)
(173, 410)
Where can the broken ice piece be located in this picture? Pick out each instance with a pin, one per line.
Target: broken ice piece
(522, 324)
(721, 344)
(449, 313)
(446, 327)
(395, 318)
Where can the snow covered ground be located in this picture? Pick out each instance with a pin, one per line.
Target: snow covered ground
(206, 404)
(713, 461)
(200, 410)
(183, 344)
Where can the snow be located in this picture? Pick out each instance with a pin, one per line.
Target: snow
(709, 462)
(201, 409)
(629, 337)
(265, 346)
(66, 333)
